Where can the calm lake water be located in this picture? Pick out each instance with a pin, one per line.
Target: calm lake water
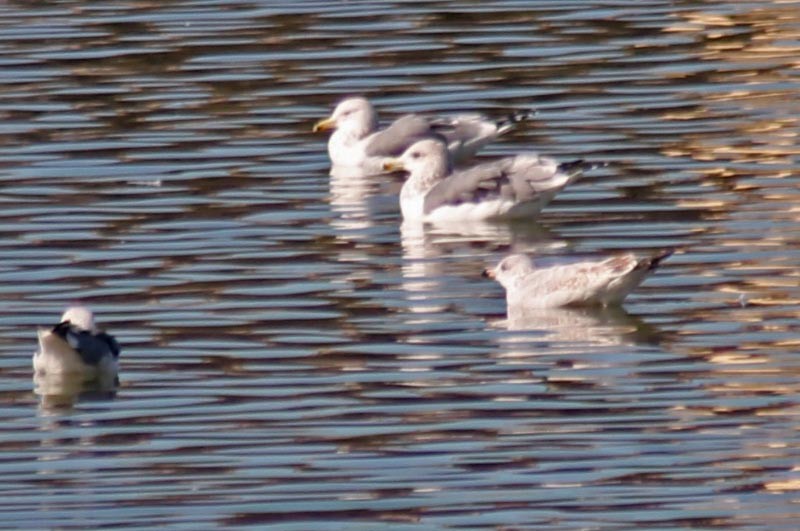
(293, 360)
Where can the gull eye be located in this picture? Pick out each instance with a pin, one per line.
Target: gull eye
(415, 154)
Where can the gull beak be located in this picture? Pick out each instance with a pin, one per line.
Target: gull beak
(488, 273)
(324, 125)
(393, 165)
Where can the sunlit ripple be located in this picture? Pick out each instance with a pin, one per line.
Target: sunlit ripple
(294, 358)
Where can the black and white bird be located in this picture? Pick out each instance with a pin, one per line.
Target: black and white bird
(510, 187)
(74, 347)
(600, 282)
(358, 142)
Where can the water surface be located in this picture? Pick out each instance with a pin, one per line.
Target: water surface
(294, 359)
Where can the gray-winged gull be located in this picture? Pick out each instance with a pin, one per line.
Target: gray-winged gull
(357, 141)
(603, 282)
(510, 187)
(75, 347)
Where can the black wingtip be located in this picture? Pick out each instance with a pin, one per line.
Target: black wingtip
(62, 329)
(112, 343)
(655, 260)
(522, 115)
(580, 166)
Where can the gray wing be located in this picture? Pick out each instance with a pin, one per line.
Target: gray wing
(393, 141)
(521, 178)
(463, 128)
(466, 134)
(90, 347)
(475, 184)
(467, 128)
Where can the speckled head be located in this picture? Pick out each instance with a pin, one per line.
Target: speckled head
(511, 269)
(427, 159)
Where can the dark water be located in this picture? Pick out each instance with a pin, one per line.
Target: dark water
(293, 360)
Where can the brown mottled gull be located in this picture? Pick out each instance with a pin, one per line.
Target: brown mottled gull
(604, 282)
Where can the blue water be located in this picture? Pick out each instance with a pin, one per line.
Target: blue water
(293, 360)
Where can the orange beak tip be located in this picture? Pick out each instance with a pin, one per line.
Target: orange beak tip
(392, 165)
(323, 125)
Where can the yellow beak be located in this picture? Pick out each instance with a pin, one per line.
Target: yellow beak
(324, 125)
(393, 165)
(488, 273)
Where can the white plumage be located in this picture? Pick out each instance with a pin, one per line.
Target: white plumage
(76, 348)
(357, 143)
(510, 187)
(603, 282)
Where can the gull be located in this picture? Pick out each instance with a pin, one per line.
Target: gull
(605, 282)
(511, 187)
(76, 348)
(358, 143)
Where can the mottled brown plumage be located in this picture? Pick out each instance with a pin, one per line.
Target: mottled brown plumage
(602, 282)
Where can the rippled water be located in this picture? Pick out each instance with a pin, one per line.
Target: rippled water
(293, 360)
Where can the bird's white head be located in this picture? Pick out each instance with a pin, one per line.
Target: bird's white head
(427, 158)
(353, 117)
(511, 269)
(80, 317)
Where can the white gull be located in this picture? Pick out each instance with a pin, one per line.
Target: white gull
(358, 143)
(511, 187)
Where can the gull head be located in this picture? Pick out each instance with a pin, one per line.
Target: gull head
(80, 317)
(510, 270)
(427, 158)
(353, 116)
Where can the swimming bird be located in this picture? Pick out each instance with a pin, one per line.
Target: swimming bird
(75, 347)
(358, 142)
(604, 282)
(511, 187)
